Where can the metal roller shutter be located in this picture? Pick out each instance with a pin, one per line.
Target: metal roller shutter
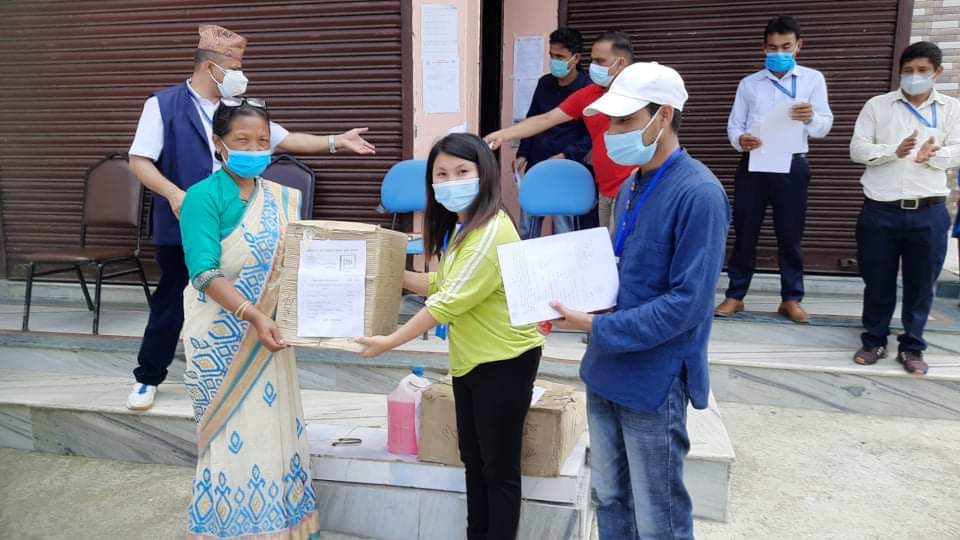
(714, 44)
(76, 74)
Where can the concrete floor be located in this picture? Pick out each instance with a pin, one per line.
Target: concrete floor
(799, 475)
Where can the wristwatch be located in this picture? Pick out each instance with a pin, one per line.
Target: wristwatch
(332, 141)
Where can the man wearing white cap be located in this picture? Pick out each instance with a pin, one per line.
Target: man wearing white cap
(648, 357)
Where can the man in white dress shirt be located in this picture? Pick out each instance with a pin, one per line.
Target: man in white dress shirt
(907, 139)
(171, 151)
(781, 84)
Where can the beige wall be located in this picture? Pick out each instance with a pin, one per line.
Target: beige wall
(430, 127)
(939, 21)
(520, 18)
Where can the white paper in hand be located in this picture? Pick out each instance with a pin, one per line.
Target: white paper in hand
(781, 137)
(331, 288)
(578, 269)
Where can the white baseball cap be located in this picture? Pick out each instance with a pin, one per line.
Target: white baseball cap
(637, 86)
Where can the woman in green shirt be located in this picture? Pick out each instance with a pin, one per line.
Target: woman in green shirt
(493, 363)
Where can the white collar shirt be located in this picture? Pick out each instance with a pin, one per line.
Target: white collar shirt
(758, 95)
(882, 125)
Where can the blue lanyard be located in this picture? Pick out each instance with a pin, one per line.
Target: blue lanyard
(441, 331)
(932, 123)
(792, 93)
(203, 112)
(633, 205)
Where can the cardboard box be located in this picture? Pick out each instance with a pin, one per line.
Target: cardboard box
(554, 425)
(386, 261)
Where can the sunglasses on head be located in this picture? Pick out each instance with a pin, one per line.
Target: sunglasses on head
(238, 101)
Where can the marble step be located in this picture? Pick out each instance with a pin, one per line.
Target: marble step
(83, 414)
(812, 367)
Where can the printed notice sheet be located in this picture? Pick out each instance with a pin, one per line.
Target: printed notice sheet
(331, 283)
(576, 268)
(440, 58)
(528, 53)
(781, 137)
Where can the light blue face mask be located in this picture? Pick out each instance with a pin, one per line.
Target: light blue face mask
(600, 75)
(457, 195)
(628, 148)
(559, 68)
(780, 62)
(248, 163)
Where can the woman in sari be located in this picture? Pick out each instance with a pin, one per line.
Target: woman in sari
(253, 467)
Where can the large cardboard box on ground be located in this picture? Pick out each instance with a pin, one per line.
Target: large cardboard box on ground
(553, 427)
(386, 261)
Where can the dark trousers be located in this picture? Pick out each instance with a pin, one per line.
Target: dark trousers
(787, 194)
(491, 403)
(166, 318)
(888, 238)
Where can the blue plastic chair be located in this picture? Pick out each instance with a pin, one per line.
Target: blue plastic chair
(404, 190)
(557, 187)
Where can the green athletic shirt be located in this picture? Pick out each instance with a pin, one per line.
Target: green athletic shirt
(467, 293)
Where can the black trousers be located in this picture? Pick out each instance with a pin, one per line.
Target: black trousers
(891, 238)
(166, 318)
(787, 194)
(491, 403)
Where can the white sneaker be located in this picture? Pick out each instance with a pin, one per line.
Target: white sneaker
(141, 398)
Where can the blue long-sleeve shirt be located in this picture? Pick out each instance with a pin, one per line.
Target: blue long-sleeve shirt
(570, 138)
(668, 274)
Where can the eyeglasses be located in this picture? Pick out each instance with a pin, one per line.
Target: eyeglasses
(238, 101)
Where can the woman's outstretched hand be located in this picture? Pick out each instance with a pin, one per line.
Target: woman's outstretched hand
(374, 346)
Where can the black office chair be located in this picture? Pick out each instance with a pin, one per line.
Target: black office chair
(291, 172)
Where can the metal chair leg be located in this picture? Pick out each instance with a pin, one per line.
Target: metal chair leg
(27, 298)
(83, 287)
(96, 302)
(143, 281)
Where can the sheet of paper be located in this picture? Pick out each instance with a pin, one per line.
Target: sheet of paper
(460, 128)
(440, 58)
(781, 137)
(441, 86)
(528, 54)
(439, 32)
(577, 268)
(538, 392)
(331, 287)
(523, 90)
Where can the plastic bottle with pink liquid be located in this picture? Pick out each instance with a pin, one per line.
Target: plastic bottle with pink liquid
(403, 413)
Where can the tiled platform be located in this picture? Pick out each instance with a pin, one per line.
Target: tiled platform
(83, 414)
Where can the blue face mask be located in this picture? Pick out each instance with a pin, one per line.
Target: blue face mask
(600, 75)
(457, 195)
(248, 163)
(559, 68)
(628, 148)
(780, 62)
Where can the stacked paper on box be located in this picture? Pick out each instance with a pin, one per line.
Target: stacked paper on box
(553, 427)
(353, 277)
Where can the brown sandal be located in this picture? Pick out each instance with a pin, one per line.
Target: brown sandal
(868, 356)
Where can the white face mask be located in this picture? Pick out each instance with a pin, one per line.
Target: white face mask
(234, 82)
(916, 85)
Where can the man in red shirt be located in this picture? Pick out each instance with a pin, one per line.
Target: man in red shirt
(611, 52)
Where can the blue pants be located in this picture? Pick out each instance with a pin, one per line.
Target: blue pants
(166, 318)
(886, 239)
(638, 468)
(530, 226)
(787, 194)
